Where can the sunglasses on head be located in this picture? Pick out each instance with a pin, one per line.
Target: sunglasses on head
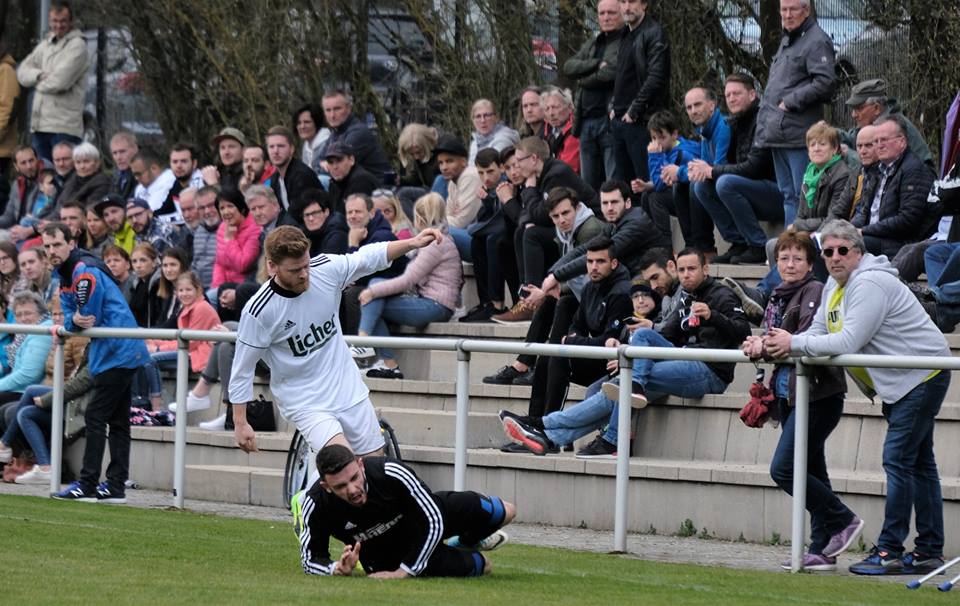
(841, 250)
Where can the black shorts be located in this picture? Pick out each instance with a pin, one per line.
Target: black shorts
(449, 561)
(470, 515)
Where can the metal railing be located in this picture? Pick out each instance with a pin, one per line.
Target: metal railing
(464, 348)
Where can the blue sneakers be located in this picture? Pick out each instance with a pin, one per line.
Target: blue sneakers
(918, 563)
(879, 562)
(76, 492)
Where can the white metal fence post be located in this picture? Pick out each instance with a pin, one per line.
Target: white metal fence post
(180, 440)
(623, 454)
(463, 411)
(56, 425)
(801, 423)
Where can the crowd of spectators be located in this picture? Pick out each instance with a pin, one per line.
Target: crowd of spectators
(567, 220)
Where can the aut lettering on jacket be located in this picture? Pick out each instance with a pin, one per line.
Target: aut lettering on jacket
(315, 338)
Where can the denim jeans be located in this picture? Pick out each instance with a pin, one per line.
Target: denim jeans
(630, 149)
(33, 420)
(828, 514)
(737, 205)
(409, 310)
(462, 239)
(44, 143)
(26, 401)
(790, 164)
(912, 478)
(942, 264)
(598, 158)
(565, 426)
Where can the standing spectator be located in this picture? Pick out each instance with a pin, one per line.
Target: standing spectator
(594, 68)
(347, 177)
(123, 147)
(389, 206)
(308, 124)
(112, 209)
(256, 169)
(866, 309)
(418, 163)
(9, 93)
(238, 240)
(531, 122)
(88, 183)
(204, 250)
(228, 144)
(558, 108)
(91, 298)
(792, 307)
(347, 129)
(293, 176)
(23, 194)
(802, 78)
(56, 70)
(325, 228)
(435, 277)
(640, 88)
(488, 130)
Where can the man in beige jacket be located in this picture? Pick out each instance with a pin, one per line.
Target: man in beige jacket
(56, 71)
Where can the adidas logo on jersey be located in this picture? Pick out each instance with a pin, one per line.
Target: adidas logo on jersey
(349, 526)
(290, 324)
(317, 337)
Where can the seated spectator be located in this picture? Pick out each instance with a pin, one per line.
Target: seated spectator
(195, 314)
(739, 189)
(942, 266)
(112, 209)
(346, 176)
(488, 130)
(792, 308)
(97, 233)
(38, 274)
(463, 189)
(434, 278)
(161, 187)
(532, 122)
(823, 195)
(266, 210)
(350, 131)
(204, 251)
(313, 135)
(508, 194)
(228, 171)
(121, 267)
(293, 176)
(44, 202)
(897, 212)
(868, 103)
(660, 200)
(73, 214)
(710, 317)
(558, 109)
(166, 307)
(27, 353)
(658, 269)
(389, 206)
(147, 228)
(326, 229)
(62, 162)
(123, 147)
(88, 183)
(187, 202)
(23, 194)
(486, 233)
(238, 240)
(146, 266)
(256, 169)
(11, 282)
(418, 163)
(32, 419)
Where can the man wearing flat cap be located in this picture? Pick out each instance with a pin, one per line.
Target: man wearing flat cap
(869, 103)
(228, 144)
(346, 176)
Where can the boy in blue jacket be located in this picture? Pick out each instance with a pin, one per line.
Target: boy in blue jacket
(659, 198)
(90, 297)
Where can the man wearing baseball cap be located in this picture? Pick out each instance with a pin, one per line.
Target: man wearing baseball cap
(147, 228)
(869, 103)
(228, 144)
(346, 176)
(112, 210)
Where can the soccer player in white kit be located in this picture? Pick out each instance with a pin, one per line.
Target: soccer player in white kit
(292, 325)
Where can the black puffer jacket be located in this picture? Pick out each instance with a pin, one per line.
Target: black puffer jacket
(726, 329)
(743, 158)
(555, 173)
(603, 306)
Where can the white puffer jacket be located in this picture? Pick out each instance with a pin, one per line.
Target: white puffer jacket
(59, 95)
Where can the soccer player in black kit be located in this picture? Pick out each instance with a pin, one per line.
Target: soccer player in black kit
(391, 522)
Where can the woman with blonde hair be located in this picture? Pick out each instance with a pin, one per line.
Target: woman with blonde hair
(389, 206)
(427, 291)
(418, 163)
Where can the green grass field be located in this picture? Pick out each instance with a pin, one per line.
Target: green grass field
(55, 552)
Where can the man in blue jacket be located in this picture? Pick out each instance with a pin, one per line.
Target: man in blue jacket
(90, 297)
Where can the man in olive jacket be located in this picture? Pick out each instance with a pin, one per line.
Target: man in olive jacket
(594, 69)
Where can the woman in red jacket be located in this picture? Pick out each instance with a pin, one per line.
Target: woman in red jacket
(238, 240)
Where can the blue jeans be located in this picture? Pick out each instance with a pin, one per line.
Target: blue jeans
(630, 150)
(461, 237)
(790, 164)
(828, 514)
(912, 478)
(146, 380)
(737, 205)
(33, 420)
(409, 310)
(598, 159)
(567, 425)
(941, 262)
(44, 143)
(26, 401)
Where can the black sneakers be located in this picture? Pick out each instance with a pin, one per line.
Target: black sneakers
(505, 376)
(385, 373)
(533, 439)
(754, 255)
(598, 449)
(733, 251)
(481, 313)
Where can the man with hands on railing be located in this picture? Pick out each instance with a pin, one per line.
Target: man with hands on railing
(866, 309)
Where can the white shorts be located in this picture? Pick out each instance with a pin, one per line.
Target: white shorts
(358, 424)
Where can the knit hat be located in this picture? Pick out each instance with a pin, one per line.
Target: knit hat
(644, 288)
(235, 197)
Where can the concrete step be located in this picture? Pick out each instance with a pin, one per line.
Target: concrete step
(235, 484)
(441, 395)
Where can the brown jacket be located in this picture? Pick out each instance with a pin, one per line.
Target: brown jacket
(9, 92)
(73, 349)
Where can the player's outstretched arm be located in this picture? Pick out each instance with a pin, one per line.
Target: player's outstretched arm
(242, 431)
(398, 248)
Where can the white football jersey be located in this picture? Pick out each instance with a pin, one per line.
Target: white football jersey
(298, 337)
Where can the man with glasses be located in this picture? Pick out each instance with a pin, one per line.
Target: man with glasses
(205, 235)
(895, 211)
(868, 102)
(865, 309)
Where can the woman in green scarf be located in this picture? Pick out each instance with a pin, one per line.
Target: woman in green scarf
(823, 195)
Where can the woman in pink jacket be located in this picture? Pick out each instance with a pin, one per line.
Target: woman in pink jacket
(427, 291)
(238, 240)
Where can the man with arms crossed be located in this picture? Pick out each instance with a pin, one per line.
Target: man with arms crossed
(293, 326)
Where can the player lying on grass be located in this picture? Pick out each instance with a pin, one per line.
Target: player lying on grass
(391, 522)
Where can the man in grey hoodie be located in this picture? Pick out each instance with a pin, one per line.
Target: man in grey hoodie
(865, 309)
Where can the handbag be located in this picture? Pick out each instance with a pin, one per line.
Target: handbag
(260, 415)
